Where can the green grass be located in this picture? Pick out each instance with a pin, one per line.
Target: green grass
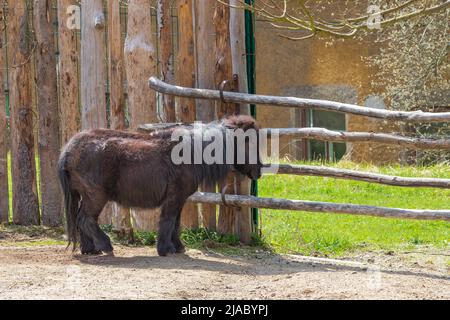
(338, 234)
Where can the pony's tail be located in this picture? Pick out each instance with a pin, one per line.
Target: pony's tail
(71, 202)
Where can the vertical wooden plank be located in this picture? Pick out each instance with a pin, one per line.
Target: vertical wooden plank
(140, 63)
(166, 56)
(47, 101)
(204, 42)
(93, 68)
(223, 71)
(93, 74)
(186, 77)
(121, 218)
(25, 200)
(238, 50)
(115, 67)
(223, 58)
(4, 190)
(186, 57)
(69, 103)
(239, 65)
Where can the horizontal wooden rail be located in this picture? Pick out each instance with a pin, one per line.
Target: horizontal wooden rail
(338, 136)
(293, 102)
(313, 206)
(341, 136)
(304, 170)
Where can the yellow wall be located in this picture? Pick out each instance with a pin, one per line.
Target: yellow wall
(282, 65)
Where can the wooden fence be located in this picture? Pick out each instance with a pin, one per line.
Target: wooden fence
(68, 65)
(66, 69)
(244, 201)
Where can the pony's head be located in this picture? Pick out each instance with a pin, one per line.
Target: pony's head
(246, 145)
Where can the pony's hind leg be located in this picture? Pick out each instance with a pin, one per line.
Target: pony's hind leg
(92, 239)
(168, 224)
(179, 246)
(87, 246)
(86, 243)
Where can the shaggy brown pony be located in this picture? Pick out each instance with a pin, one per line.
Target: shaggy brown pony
(136, 170)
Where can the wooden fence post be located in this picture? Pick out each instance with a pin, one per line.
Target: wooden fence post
(25, 199)
(69, 104)
(120, 216)
(186, 77)
(4, 190)
(239, 65)
(140, 61)
(47, 101)
(204, 42)
(222, 72)
(166, 56)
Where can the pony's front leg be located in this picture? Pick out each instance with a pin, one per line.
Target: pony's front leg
(168, 224)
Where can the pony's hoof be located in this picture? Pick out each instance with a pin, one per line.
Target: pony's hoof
(165, 251)
(181, 250)
(93, 253)
(109, 253)
(106, 248)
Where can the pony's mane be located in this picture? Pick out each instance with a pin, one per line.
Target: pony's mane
(212, 172)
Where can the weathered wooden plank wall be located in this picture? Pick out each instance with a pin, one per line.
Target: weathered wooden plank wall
(73, 85)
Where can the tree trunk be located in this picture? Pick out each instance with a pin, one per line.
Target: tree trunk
(166, 56)
(186, 77)
(239, 66)
(25, 199)
(4, 190)
(223, 71)
(68, 71)
(140, 62)
(47, 101)
(204, 42)
(120, 216)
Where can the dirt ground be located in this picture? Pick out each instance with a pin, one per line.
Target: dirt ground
(51, 272)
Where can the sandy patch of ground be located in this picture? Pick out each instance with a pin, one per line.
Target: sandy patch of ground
(138, 273)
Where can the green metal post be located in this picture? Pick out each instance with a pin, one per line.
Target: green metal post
(251, 77)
